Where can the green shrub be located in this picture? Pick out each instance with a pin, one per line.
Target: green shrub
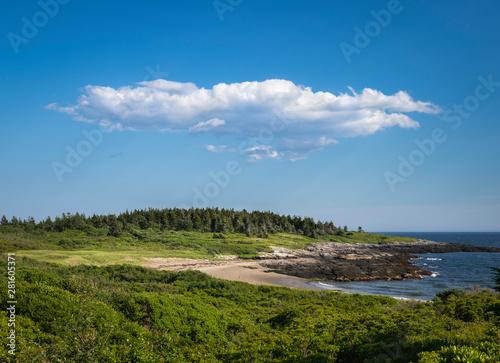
(133, 314)
(470, 306)
(485, 353)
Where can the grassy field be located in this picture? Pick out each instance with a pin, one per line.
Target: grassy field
(77, 247)
(104, 258)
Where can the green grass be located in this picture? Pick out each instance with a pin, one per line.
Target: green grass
(368, 238)
(102, 258)
(77, 247)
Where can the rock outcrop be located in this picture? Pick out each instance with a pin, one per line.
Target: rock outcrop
(359, 262)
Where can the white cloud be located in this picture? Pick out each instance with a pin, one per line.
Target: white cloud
(298, 149)
(260, 152)
(308, 120)
(219, 148)
(204, 126)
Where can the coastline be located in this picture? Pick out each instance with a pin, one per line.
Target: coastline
(252, 273)
(344, 262)
(327, 261)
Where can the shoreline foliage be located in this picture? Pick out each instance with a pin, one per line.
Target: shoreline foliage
(125, 313)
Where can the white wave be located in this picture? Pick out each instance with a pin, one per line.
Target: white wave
(434, 259)
(325, 286)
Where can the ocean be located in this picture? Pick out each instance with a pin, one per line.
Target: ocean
(460, 270)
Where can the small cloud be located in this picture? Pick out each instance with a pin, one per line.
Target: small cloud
(325, 141)
(299, 149)
(219, 148)
(204, 126)
(260, 152)
(68, 110)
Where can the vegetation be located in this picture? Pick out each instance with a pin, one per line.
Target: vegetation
(97, 240)
(125, 313)
(75, 246)
(82, 297)
(496, 271)
(214, 220)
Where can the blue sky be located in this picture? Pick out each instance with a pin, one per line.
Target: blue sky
(314, 108)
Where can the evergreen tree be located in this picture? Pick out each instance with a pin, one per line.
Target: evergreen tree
(204, 220)
(47, 225)
(115, 226)
(330, 228)
(77, 221)
(143, 223)
(29, 225)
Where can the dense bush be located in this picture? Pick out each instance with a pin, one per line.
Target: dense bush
(496, 272)
(484, 353)
(133, 314)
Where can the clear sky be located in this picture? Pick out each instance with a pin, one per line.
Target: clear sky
(382, 114)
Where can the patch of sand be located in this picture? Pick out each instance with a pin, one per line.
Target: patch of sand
(180, 264)
(235, 270)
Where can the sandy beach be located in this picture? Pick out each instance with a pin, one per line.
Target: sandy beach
(328, 261)
(232, 269)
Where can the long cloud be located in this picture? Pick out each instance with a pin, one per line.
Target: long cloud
(309, 120)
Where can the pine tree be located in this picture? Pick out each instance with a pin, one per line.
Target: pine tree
(4, 221)
(203, 220)
(29, 225)
(115, 226)
(143, 223)
(48, 225)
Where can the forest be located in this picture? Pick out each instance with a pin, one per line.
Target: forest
(175, 219)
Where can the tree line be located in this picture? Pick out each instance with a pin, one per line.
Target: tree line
(215, 220)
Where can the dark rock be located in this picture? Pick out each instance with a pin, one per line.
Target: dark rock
(360, 262)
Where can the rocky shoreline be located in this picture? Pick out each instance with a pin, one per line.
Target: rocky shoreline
(333, 261)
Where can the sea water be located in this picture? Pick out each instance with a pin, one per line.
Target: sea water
(460, 270)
